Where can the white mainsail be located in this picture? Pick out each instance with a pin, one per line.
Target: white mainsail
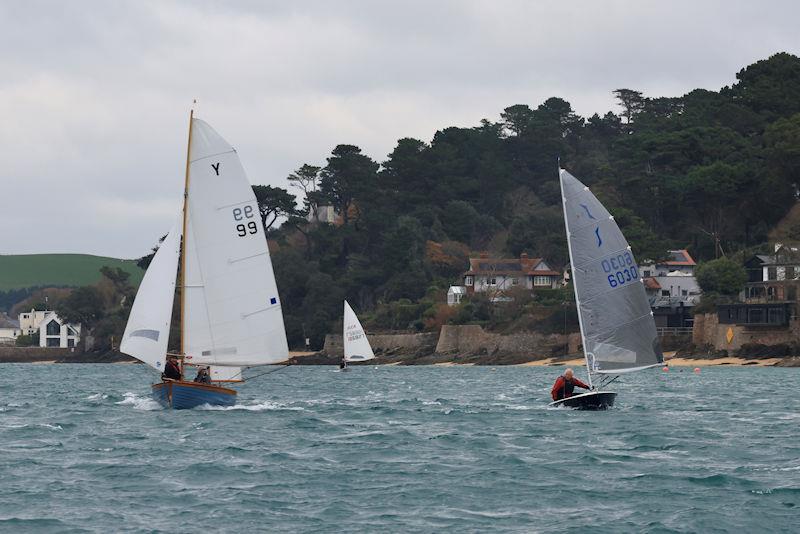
(147, 331)
(617, 326)
(232, 312)
(356, 344)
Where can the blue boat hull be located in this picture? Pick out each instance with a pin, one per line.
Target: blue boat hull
(186, 395)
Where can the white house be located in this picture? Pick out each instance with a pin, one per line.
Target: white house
(29, 321)
(496, 275)
(9, 330)
(455, 294)
(53, 332)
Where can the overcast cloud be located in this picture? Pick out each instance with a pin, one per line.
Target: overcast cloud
(95, 96)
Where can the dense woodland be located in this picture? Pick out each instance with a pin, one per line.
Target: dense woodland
(710, 171)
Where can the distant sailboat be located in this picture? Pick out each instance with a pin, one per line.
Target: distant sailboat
(617, 327)
(230, 311)
(356, 344)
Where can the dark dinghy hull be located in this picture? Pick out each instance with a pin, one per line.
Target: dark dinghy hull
(593, 400)
(187, 395)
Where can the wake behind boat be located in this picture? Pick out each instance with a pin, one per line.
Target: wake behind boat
(230, 310)
(617, 327)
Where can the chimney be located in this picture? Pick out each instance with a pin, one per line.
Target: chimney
(523, 256)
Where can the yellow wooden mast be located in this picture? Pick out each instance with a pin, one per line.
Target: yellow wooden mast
(183, 248)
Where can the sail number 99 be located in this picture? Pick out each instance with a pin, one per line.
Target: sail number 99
(621, 269)
(245, 227)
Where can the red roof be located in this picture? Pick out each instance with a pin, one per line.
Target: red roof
(509, 266)
(651, 283)
(679, 257)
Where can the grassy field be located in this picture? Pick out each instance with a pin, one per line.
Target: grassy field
(28, 270)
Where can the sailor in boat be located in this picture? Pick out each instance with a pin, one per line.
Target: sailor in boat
(172, 369)
(565, 385)
(203, 375)
(343, 363)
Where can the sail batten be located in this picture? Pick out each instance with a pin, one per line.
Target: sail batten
(356, 344)
(617, 326)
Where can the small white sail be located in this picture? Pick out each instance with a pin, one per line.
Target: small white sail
(147, 331)
(226, 374)
(356, 344)
(232, 312)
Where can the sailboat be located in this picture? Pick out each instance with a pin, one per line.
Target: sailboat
(230, 310)
(356, 344)
(617, 327)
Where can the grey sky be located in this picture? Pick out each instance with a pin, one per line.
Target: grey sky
(94, 96)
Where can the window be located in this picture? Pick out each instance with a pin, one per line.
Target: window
(515, 281)
(71, 331)
(53, 328)
(70, 343)
(755, 316)
(491, 281)
(468, 280)
(664, 292)
(772, 273)
(646, 273)
(541, 280)
(684, 292)
(53, 342)
(775, 316)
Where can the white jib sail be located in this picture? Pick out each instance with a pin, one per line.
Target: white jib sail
(226, 374)
(617, 326)
(356, 344)
(232, 314)
(147, 331)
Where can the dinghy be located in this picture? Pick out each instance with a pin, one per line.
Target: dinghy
(617, 327)
(230, 310)
(356, 344)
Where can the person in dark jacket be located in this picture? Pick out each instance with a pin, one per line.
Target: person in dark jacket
(172, 370)
(565, 385)
(203, 375)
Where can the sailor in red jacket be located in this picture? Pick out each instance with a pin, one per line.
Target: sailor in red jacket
(565, 385)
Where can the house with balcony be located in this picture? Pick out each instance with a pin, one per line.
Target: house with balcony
(773, 277)
(499, 275)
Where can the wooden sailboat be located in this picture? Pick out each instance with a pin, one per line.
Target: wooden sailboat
(230, 310)
(356, 344)
(617, 327)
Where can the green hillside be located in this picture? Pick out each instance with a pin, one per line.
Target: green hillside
(28, 270)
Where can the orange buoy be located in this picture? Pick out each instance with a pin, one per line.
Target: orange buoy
(696, 369)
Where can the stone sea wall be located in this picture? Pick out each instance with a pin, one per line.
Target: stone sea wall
(708, 332)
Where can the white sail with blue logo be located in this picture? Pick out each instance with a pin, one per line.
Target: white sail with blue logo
(356, 344)
(232, 312)
(147, 331)
(617, 327)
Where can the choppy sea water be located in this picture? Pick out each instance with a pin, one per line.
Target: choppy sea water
(396, 449)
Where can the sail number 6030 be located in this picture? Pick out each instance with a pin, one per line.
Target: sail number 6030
(242, 214)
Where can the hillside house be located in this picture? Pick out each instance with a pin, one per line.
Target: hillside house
(9, 330)
(672, 289)
(497, 275)
(773, 277)
(29, 321)
(53, 332)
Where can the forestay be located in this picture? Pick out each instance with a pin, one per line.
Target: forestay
(232, 313)
(618, 330)
(147, 331)
(356, 344)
